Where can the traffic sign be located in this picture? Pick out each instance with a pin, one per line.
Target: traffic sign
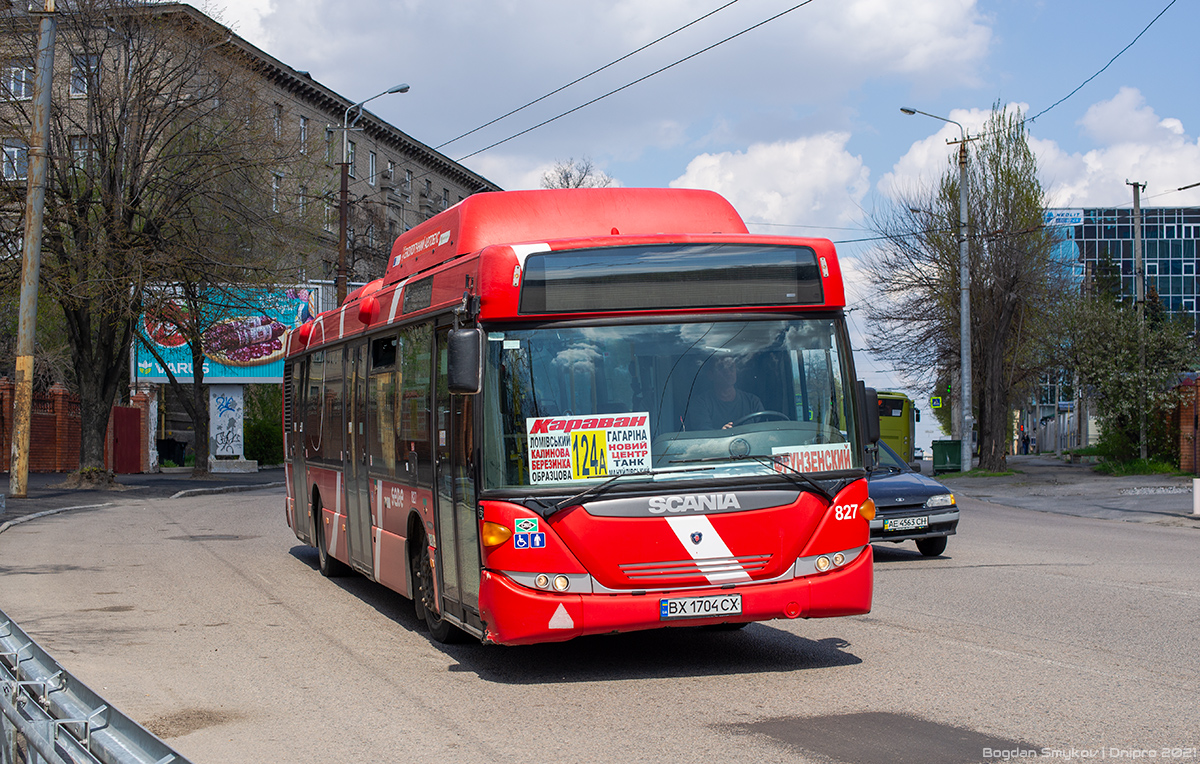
(935, 402)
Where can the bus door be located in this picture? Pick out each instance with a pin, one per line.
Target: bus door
(294, 416)
(458, 558)
(358, 499)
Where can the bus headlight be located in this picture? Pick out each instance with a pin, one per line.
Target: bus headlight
(542, 581)
(823, 563)
(561, 583)
(494, 534)
(940, 500)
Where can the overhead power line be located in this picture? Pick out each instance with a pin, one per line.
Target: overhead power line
(1110, 63)
(612, 63)
(635, 82)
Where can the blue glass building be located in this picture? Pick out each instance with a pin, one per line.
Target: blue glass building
(1169, 243)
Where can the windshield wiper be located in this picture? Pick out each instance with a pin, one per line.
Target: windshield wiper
(596, 488)
(766, 461)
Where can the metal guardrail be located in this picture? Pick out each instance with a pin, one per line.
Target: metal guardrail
(50, 716)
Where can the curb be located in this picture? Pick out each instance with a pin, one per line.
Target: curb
(225, 489)
(48, 512)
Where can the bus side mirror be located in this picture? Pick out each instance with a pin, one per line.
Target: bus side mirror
(918, 411)
(869, 400)
(465, 351)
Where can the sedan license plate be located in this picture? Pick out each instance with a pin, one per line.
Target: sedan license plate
(905, 523)
(700, 607)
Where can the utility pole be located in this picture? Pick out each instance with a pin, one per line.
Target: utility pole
(1139, 285)
(31, 254)
(964, 302)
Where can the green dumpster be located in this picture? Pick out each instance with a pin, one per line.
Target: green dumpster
(947, 456)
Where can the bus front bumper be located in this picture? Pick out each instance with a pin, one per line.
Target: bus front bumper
(517, 615)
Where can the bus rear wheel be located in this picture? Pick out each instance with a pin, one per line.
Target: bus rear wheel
(932, 547)
(329, 566)
(424, 601)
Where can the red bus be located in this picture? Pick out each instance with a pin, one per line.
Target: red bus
(586, 411)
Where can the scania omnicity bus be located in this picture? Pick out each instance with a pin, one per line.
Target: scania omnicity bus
(586, 411)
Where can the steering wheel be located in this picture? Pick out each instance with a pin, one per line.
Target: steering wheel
(764, 414)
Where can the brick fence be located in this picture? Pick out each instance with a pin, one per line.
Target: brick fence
(55, 430)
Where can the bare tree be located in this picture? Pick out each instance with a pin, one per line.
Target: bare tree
(1016, 281)
(575, 174)
(162, 167)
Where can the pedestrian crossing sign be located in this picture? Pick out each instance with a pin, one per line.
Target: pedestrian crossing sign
(935, 402)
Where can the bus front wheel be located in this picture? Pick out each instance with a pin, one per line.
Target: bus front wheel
(423, 596)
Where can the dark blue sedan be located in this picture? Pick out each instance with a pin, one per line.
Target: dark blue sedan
(909, 505)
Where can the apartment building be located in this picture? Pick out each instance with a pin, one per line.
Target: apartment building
(395, 180)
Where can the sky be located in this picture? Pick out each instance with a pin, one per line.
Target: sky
(796, 120)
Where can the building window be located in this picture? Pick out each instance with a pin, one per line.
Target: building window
(445, 198)
(84, 72)
(16, 159)
(350, 158)
(1189, 269)
(391, 171)
(1151, 269)
(303, 202)
(276, 184)
(428, 189)
(277, 114)
(371, 235)
(330, 214)
(371, 162)
(329, 145)
(18, 82)
(304, 135)
(408, 179)
(83, 153)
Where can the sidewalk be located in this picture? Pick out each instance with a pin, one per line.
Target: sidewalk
(45, 492)
(1046, 484)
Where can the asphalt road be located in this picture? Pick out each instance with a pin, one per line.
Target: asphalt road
(204, 619)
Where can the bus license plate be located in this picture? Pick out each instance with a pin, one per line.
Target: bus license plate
(906, 523)
(700, 607)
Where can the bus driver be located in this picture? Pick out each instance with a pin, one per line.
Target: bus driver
(722, 404)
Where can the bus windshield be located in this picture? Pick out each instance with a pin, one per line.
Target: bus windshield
(564, 405)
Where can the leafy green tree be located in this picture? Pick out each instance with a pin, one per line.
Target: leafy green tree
(1016, 280)
(1103, 348)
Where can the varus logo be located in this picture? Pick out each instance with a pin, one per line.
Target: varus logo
(693, 502)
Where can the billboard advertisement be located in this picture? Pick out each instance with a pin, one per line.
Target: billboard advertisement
(243, 344)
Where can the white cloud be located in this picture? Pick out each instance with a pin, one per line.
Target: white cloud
(1136, 145)
(244, 17)
(811, 181)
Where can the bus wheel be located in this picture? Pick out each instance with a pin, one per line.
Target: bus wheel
(330, 567)
(423, 599)
(932, 547)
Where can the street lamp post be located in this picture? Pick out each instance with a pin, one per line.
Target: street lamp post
(344, 193)
(964, 287)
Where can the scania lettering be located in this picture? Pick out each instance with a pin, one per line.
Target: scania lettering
(585, 411)
(695, 503)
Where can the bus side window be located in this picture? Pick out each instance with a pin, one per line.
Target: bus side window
(335, 423)
(381, 404)
(314, 407)
(413, 445)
